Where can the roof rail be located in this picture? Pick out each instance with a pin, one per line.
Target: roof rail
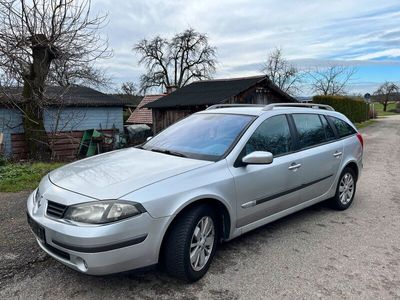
(303, 105)
(216, 106)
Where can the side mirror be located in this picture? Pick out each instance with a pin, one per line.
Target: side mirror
(149, 138)
(258, 158)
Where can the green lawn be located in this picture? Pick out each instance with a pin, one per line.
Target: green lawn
(381, 113)
(15, 177)
(364, 124)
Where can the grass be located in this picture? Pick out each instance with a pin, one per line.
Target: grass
(389, 110)
(364, 124)
(15, 177)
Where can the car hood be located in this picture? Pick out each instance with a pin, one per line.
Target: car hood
(115, 174)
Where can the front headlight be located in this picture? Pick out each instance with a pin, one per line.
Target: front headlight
(101, 212)
(36, 197)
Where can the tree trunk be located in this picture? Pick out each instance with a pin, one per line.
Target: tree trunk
(34, 83)
(385, 105)
(35, 134)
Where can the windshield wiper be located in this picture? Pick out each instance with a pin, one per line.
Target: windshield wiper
(169, 152)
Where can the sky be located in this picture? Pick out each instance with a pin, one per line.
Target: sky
(360, 33)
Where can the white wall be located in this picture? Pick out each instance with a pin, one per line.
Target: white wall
(82, 118)
(69, 119)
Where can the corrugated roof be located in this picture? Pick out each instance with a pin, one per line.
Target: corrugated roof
(70, 96)
(143, 115)
(210, 92)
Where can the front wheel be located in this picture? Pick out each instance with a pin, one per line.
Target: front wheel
(191, 244)
(345, 190)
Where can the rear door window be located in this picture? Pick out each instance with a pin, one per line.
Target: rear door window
(310, 130)
(273, 135)
(343, 129)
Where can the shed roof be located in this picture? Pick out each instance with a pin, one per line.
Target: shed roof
(143, 115)
(68, 96)
(208, 92)
(132, 100)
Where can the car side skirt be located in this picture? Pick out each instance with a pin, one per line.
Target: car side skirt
(283, 213)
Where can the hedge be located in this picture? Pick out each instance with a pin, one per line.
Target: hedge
(353, 108)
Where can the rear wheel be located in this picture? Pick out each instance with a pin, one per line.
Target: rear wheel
(345, 190)
(191, 244)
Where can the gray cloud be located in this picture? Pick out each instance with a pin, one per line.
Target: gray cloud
(358, 32)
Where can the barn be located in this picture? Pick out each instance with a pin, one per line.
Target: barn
(201, 94)
(68, 113)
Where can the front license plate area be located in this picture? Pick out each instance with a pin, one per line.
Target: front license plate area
(37, 229)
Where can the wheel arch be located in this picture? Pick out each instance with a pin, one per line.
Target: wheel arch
(223, 213)
(352, 165)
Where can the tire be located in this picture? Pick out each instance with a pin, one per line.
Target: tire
(178, 247)
(343, 199)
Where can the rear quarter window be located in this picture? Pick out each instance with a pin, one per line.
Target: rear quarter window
(330, 134)
(343, 128)
(310, 130)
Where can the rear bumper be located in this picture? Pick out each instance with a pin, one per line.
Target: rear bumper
(360, 167)
(98, 250)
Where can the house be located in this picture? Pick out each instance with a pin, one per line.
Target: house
(201, 94)
(142, 115)
(68, 113)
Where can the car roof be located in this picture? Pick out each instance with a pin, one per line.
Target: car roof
(273, 109)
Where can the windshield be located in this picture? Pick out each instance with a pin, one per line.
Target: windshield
(200, 136)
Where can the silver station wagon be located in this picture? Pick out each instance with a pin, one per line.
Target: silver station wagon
(209, 178)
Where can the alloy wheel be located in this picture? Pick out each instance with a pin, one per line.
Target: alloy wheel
(346, 188)
(202, 243)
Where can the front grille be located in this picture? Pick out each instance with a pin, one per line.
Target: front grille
(56, 210)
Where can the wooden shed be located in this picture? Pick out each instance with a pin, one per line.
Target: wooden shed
(68, 113)
(201, 94)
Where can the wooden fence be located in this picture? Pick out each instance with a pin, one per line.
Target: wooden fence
(64, 144)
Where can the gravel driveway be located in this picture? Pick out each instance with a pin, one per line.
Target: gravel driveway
(315, 253)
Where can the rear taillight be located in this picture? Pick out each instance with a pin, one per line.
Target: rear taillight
(360, 138)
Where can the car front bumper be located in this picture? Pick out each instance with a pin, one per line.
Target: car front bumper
(99, 249)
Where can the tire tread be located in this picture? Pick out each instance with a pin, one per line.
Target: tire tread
(177, 244)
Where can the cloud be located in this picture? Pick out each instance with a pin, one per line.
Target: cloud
(358, 32)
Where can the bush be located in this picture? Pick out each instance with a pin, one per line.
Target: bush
(397, 107)
(353, 108)
(3, 160)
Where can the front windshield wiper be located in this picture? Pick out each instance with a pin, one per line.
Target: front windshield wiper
(169, 152)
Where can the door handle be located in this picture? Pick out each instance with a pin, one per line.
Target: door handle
(337, 154)
(294, 166)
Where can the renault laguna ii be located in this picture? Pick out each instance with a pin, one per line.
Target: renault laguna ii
(209, 178)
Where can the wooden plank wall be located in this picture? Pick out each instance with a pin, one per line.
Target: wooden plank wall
(65, 145)
(19, 149)
(162, 118)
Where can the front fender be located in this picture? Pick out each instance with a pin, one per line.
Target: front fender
(168, 197)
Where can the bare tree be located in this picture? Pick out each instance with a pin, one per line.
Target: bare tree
(128, 88)
(332, 80)
(66, 73)
(35, 35)
(284, 74)
(176, 62)
(388, 91)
